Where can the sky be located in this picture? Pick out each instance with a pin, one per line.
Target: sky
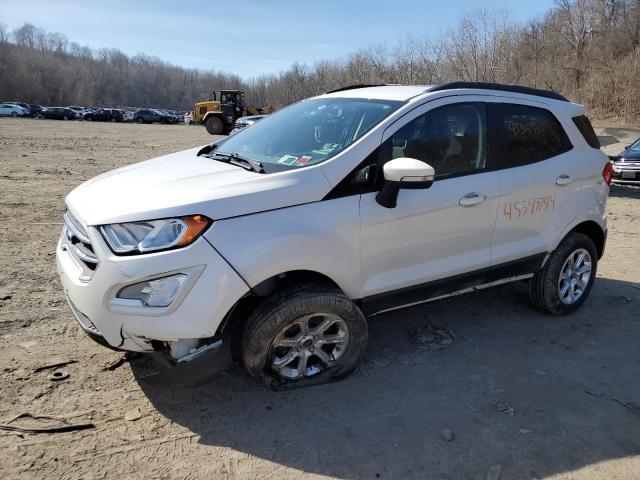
(248, 37)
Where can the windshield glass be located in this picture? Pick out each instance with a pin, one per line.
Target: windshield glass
(308, 132)
(635, 146)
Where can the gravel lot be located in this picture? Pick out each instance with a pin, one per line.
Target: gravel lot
(521, 395)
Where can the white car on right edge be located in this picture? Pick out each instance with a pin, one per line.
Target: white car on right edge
(272, 246)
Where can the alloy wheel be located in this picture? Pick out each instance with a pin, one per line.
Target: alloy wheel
(574, 276)
(309, 345)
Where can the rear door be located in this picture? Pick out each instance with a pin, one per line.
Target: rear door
(539, 192)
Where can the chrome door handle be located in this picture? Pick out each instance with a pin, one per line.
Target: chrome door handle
(472, 199)
(564, 180)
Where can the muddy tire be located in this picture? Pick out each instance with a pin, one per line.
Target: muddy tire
(304, 335)
(214, 125)
(566, 279)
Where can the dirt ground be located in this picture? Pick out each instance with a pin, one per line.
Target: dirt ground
(522, 395)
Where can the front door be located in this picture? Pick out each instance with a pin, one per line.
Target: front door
(436, 233)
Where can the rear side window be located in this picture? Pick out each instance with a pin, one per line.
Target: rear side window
(530, 135)
(586, 129)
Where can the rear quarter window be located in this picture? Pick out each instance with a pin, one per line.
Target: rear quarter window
(529, 135)
(587, 131)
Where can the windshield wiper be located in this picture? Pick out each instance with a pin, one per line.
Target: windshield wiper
(235, 159)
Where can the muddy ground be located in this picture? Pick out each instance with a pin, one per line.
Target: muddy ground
(523, 395)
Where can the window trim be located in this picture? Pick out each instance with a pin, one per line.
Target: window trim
(500, 143)
(489, 163)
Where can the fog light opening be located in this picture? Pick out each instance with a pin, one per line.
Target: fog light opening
(159, 292)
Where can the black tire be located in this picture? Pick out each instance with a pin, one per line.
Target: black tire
(14, 114)
(282, 310)
(140, 120)
(214, 125)
(545, 285)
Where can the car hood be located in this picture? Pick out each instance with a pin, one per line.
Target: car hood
(629, 155)
(185, 184)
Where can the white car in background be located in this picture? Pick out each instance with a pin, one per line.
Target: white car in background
(275, 244)
(11, 110)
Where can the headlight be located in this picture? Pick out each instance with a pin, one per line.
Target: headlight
(154, 235)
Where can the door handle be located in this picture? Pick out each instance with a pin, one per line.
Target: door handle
(564, 180)
(471, 199)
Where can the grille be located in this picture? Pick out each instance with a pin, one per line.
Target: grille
(627, 166)
(76, 241)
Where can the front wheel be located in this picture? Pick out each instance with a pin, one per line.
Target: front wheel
(14, 114)
(214, 125)
(564, 283)
(307, 334)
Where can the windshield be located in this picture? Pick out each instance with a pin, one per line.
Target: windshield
(635, 146)
(308, 132)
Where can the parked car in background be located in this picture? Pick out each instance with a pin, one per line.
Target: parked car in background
(149, 115)
(626, 165)
(174, 117)
(244, 122)
(127, 116)
(105, 115)
(36, 110)
(59, 113)
(23, 105)
(80, 111)
(13, 110)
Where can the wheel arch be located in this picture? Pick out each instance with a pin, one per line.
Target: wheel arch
(594, 231)
(212, 114)
(233, 324)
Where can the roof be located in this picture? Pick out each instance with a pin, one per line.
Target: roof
(406, 92)
(381, 92)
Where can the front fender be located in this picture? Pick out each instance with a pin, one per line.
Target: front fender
(321, 237)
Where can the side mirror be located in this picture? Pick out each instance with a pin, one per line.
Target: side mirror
(403, 173)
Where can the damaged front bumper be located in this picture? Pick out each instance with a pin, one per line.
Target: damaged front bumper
(183, 332)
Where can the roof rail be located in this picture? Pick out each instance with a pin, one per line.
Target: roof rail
(500, 87)
(364, 85)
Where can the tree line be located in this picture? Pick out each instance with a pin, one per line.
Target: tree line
(587, 50)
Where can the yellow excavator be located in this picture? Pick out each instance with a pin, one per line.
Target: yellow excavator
(218, 116)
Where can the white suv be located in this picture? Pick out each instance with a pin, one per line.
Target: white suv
(275, 244)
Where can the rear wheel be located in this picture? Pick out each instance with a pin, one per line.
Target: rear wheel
(214, 125)
(564, 283)
(14, 114)
(140, 120)
(307, 334)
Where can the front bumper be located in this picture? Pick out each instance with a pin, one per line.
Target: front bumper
(211, 290)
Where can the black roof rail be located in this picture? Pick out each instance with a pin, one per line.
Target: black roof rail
(500, 87)
(363, 85)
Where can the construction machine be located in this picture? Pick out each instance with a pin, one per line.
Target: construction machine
(219, 116)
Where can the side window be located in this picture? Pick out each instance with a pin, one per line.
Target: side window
(530, 135)
(452, 139)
